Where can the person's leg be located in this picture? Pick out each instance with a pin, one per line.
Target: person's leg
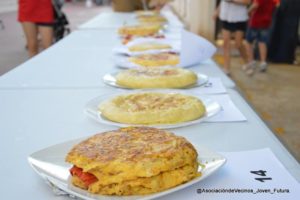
(251, 64)
(251, 36)
(226, 49)
(46, 33)
(30, 30)
(262, 47)
(262, 51)
(239, 37)
(249, 52)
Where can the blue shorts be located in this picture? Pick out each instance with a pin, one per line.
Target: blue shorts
(260, 35)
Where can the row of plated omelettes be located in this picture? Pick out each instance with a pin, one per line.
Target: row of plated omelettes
(138, 159)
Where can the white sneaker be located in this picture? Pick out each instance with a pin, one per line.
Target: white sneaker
(249, 65)
(250, 71)
(263, 67)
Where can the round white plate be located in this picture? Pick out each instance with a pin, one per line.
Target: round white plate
(123, 49)
(91, 109)
(110, 79)
(123, 62)
(50, 164)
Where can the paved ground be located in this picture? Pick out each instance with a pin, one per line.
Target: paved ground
(12, 37)
(12, 43)
(8, 5)
(274, 95)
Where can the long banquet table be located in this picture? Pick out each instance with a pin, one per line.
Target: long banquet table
(42, 102)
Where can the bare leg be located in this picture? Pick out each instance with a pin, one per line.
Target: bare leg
(262, 51)
(46, 33)
(226, 48)
(30, 31)
(249, 51)
(239, 36)
(250, 66)
(263, 56)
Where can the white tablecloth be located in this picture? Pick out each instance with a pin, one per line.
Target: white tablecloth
(34, 119)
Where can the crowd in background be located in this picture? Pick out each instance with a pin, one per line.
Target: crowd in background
(262, 23)
(255, 21)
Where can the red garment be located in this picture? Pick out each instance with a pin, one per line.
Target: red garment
(277, 2)
(37, 11)
(261, 17)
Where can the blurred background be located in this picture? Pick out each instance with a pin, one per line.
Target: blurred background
(274, 94)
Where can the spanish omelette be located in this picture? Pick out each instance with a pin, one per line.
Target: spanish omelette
(131, 161)
(166, 77)
(139, 30)
(155, 60)
(150, 108)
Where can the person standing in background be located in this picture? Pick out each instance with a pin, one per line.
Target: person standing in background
(284, 35)
(37, 18)
(234, 16)
(261, 13)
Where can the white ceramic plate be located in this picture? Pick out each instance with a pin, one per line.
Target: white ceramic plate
(110, 79)
(91, 109)
(50, 164)
(123, 49)
(122, 62)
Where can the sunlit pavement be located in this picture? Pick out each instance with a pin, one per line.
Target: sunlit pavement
(12, 37)
(275, 96)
